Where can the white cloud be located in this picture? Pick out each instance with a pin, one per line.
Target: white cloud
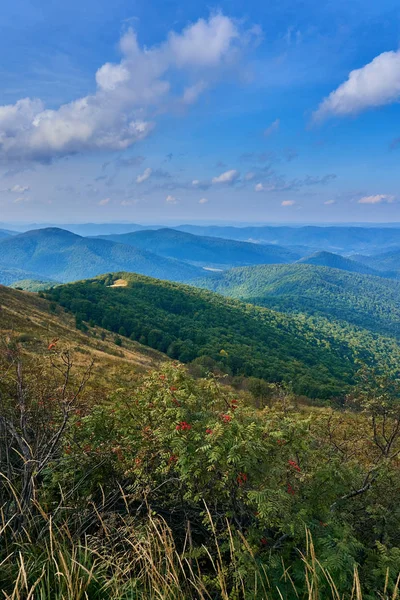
(377, 199)
(129, 202)
(191, 94)
(249, 176)
(144, 176)
(21, 199)
(288, 203)
(19, 189)
(375, 84)
(104, 202)
(127, 93)
(329, 202)
(171, 200)
(272, 128)
(195, 182)
(203, 200)
(261, 187)
(227, 177)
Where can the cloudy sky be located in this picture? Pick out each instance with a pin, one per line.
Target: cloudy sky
(171, 111)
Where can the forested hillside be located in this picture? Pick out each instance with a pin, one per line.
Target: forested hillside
(316, 357)
(63, 256)
(366, 301)
(205, 250)
(335, 261)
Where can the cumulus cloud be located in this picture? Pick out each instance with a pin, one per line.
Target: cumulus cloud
(329, 202)
(19, 189)
(272, 128)
(226, 177)
(144, 176)
(375, 84)
(104, 202)
(203, 200)
(171, 200)
(119, 112)
(288, 203)
(377, 199)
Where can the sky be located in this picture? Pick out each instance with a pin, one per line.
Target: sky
(170, 112)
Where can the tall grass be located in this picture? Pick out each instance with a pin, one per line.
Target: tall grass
(126, 559)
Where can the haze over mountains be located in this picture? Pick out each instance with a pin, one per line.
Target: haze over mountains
(204, 250)
(174, 254)
(63, 256)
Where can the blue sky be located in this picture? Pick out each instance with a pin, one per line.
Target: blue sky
(167, 111)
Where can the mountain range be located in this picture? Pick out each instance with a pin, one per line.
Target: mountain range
(63, 256)
(365, 301)
(204, 250)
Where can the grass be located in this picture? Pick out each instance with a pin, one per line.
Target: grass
(128, 559)
(34, 323)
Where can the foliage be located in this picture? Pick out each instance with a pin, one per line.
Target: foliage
(188, 475)
(187, 323)
(365, 301)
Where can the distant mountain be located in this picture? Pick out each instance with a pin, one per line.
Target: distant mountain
(32, 285)
(83, 229)
(386, 262)
(63, 256)
(362, 300)
(4, 233)
(335, 261)
(338, 239)
(205, 251)
(10, 276)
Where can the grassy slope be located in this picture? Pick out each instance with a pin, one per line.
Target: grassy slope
(317, 356)
(362, 300)
(29, 319)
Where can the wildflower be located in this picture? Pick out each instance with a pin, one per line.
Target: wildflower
(294, 465)
(183, 426)
(290, 490)
(241, 478)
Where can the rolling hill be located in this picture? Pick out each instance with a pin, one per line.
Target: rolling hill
(63, 256)
(203, 250)
(316, 357)
(362, 300)
(335, 261)
(32, 323)
(338, 239)
(387, 262)
(10, 276)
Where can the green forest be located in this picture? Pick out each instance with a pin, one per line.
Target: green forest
(316, 357)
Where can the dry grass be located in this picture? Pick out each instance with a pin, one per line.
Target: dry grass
(27, 318)
(139, 560)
